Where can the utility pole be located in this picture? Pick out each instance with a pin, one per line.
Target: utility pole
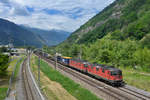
(10, 45)
(56, 60)
(42, 52)
(39, 71)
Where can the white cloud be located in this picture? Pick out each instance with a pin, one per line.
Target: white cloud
(73, 12)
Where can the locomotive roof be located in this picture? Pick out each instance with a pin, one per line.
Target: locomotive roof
(80, 60)
(111, 68)
(114, 69)
(66, 57)
(106, 67)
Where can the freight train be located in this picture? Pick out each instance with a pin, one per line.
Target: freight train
(106, 73)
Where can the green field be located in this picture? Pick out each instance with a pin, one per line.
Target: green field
(3, 93)
(73, 88)
(135, 78)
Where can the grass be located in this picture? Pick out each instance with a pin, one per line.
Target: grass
(12, 63)
(18, 67)
(135, 78)
(5, 79)
(51, 89)
(3, 93)
(73, 88)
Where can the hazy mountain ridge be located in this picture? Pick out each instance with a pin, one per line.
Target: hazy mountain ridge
(19, 36)
(51, 37)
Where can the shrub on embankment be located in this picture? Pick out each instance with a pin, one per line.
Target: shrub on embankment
(3, 63)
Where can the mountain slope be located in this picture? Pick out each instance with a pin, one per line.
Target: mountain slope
(119, 35)
(51, 37)
(19, 36)
(127, 16)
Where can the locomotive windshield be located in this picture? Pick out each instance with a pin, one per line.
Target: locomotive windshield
(85, 65)
(116, 73)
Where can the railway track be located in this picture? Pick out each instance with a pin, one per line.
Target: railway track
(31, 90)
(121, 93)
(27, 87)
(135, 93)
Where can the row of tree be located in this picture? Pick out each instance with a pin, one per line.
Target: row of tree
(111, 50)
(4, 59)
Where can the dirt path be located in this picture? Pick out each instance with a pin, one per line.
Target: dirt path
(142, 73)
(145, 74)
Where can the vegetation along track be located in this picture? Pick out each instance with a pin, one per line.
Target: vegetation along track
(122, 93)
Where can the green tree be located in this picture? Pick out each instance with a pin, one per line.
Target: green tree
(142, 57)
(3, 62)
(3, 49)
(117, 35)
(145, 41)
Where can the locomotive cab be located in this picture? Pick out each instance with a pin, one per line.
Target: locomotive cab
(116, 76)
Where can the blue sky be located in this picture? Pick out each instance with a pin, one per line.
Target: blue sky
(66, 15)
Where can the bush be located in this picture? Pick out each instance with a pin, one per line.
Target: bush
(3, 62)
(142, 57)
(145, 41)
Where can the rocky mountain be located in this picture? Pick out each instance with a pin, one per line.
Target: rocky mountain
(19, 36)
(51, 37)
(125, 18)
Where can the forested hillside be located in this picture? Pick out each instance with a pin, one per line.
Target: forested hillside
(119, 36)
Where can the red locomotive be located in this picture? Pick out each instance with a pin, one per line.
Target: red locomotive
(108, 73)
